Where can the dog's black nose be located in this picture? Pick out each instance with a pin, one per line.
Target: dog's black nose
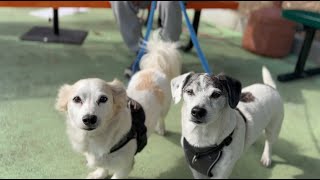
(89, 120)
(198, 112)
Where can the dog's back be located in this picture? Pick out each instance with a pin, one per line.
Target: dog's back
(151, 85)
(163, 56)
(152, 90)
(263, 107)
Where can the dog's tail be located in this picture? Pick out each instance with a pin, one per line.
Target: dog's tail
(162, 55)
(267, 78)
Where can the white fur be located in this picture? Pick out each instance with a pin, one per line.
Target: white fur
(162, 56)
(159, 65)
(114, 121)
(266, 113)
(162, 62)
(267, 78)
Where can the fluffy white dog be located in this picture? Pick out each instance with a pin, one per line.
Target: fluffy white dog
(108, 126)
(220, 120)
(97, 119)
(151, 85)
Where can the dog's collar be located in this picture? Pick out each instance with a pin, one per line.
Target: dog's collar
(202, 151)
(203, 159)
(137, 131)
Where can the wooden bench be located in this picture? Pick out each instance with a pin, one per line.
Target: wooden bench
(57, 33)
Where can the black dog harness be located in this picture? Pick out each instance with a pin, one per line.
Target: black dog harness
(203, 159)
(138, 129)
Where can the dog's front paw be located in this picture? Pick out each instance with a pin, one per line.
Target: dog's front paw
(266, 160)
(160, 128)
(100, 173)
(161, 131)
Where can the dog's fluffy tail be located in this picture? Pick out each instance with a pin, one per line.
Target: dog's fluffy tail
(162, 55)
(267, 78)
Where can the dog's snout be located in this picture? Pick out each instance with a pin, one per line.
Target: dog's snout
(198, 112)
(89, 120)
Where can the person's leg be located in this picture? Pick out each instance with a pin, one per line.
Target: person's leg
(125, 13)
(171, 20)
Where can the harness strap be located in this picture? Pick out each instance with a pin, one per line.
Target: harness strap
(130, 135)
(243, 117)
(137, 131)
(203, 159)
(199, 152)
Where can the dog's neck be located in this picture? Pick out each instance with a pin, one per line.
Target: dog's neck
(118, 128)
(210, 134)
(107, 137)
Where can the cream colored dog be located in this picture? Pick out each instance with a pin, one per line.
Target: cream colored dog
(220, 120)
(99, 119)
(151, 85)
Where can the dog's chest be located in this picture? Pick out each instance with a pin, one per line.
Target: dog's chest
(100, 154)
(203, 159)
(97, 148)
(204, 162)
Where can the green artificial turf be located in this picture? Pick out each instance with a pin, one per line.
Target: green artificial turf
(33, 142)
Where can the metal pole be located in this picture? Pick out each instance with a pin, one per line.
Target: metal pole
(56, 22)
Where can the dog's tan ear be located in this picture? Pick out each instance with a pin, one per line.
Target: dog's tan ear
(177, 85)
(119, 94)
(62, 98)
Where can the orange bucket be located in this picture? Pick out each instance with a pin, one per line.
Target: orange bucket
(268, 34)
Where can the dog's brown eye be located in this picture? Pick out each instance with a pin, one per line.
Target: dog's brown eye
(190, 92)
(102, 99)
(77, 99)
(215, 95)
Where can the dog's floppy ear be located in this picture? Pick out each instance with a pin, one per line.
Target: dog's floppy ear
(177, 85)
(119, 94)
(233, 88)
(63, 97)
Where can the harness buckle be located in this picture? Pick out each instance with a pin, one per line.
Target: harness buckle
(195, 158)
